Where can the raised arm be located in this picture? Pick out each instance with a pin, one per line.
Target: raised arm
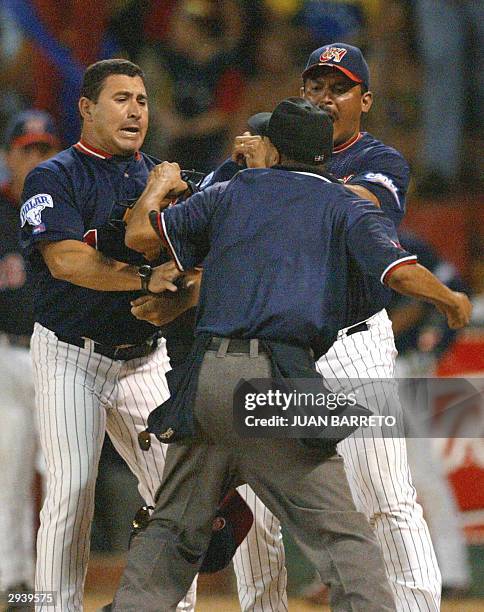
(164, 182)
(418, 282)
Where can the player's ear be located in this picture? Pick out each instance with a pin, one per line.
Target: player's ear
(85, 108)
(366, 101)
(302, 91)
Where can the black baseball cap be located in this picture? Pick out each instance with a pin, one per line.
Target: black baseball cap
(230, 526)
(346, 58)
(31, 127)
(298, 129)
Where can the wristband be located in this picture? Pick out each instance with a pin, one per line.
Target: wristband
(144, 272)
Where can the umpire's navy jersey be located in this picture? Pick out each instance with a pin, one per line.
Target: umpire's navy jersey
(364, 161)
(82, 194)
(283, 252)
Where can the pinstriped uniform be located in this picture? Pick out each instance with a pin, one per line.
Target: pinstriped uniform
(260, 561)
(378, 472)
(81, 395)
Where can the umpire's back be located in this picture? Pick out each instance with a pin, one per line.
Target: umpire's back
(280, 255)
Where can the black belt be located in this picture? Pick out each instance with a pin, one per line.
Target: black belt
(359, 327)
(235, 345)
(122, 353)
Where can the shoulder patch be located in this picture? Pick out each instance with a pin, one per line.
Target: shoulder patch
(31, 210)
(385, 181)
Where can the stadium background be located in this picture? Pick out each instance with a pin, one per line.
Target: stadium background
(209, 65)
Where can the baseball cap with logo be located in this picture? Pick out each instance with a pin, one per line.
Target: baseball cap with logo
(230, 526)
(298, 129)
(29, 127)
(343, 57)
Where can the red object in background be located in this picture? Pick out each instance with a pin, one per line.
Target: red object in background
(444, 226)
(466, 358)
(66, 21)
(157, 19)
(453, 226)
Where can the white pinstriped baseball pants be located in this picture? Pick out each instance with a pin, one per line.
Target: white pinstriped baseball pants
(80, 395)
(378, 471)
(18, 444)
(378, 476)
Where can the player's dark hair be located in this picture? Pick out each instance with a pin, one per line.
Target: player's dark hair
(97, 73)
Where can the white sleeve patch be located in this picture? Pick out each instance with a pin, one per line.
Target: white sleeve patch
(31, 210)
(382, 179)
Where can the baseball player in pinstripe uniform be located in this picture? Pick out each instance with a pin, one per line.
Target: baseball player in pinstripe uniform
(336, 78)
(96, 368)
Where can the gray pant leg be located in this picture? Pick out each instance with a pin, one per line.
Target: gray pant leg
(164, 559)
(313, 501)
(311, 498)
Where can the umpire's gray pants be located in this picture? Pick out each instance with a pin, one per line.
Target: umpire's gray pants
(311, 498)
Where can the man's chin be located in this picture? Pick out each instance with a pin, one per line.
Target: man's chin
(128, 147)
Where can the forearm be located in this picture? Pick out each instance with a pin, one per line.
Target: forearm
(418, 282)
(164, 180)
(140, 235)
(161, 310)
(79, 264)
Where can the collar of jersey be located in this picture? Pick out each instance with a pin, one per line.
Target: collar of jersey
(349, 143)
(321, 175)
(88, 149)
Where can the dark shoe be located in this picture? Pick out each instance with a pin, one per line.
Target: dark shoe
(455, 593)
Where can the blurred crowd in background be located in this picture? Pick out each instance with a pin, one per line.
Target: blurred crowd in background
(210, 64)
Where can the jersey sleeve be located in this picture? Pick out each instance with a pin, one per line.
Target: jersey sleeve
(226, 171)
(386, 174)
(373, 243)
(185, 227)
(48, 211)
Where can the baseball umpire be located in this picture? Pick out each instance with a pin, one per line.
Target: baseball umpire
(264, 238)
(337, 79)
(239, 300)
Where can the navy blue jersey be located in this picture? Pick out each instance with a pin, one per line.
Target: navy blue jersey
(379, 168)
(278, 247)
(82, 194)
(16, 311)
(363, 161)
